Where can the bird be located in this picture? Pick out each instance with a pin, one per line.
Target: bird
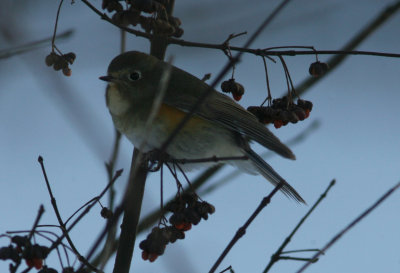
(219, 127)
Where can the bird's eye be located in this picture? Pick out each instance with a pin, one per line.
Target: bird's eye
(135, 75)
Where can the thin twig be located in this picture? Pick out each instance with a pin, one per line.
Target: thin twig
(131, 207)
(60, 221)
(55, 26)
(277, 255)
(93, 201)
(311, 260)
(260, 52)
(351, 225)
(242, 230)
(366, 32)
(108, 19)
(35, 224)
(6, 53)
(269, 53)
(208, 159)
(59, 240)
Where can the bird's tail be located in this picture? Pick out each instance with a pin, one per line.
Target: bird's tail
(271, 175)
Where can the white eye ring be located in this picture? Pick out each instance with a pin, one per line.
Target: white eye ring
(135, 75)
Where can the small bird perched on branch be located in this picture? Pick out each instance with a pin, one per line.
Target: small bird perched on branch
(218, 128)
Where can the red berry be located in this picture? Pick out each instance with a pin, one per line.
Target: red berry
(37, 263)
(29, 262)
(152, 257)
(237, 97)
(183, 226)
(278, 124)
(145, 255)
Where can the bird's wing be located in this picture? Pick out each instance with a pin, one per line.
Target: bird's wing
(221, 109)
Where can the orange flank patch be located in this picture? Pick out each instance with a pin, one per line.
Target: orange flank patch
(173, 116)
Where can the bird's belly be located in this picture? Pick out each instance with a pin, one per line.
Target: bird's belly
(199, 138)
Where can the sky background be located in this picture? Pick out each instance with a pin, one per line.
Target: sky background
(357, 142)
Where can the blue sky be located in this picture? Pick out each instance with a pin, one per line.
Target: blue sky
(66, 121)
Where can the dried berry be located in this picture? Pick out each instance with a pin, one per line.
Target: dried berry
(67, 71)
(163, 27)
(233, 87)
(318, 69)
(9, 252)
(70, 57)
(51, 58)
(278, 124)
(111, 5)
(178, 32)
(148, 6)
(106, 213)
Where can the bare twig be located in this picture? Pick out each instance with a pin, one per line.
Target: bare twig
(260, 52)
(35, 224)
(209, 159)
(60, 221)
(334, 61)
(93, 201)
(242, 230)
(65, 231)
(277, 255)
(108, 19)
(55, 26)
(131, 205)
(6, 53)
(351, 225)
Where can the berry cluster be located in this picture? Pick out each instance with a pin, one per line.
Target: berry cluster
(233, 87)
(157, 240)
(21, 248)
(318, 69)
(281, 112)
(162, 23)
(61, 62)
(186, 210)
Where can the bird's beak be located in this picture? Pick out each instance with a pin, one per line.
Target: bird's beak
(107, 78)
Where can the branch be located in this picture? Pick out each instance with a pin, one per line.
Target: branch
(277, 255)
(108, 19)
(334, 61)
(241, 231)
(208, 159)
(139, 168)
(6, 53)
(60, 221)
(88, 208)
(350, 226)
(132, 206)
